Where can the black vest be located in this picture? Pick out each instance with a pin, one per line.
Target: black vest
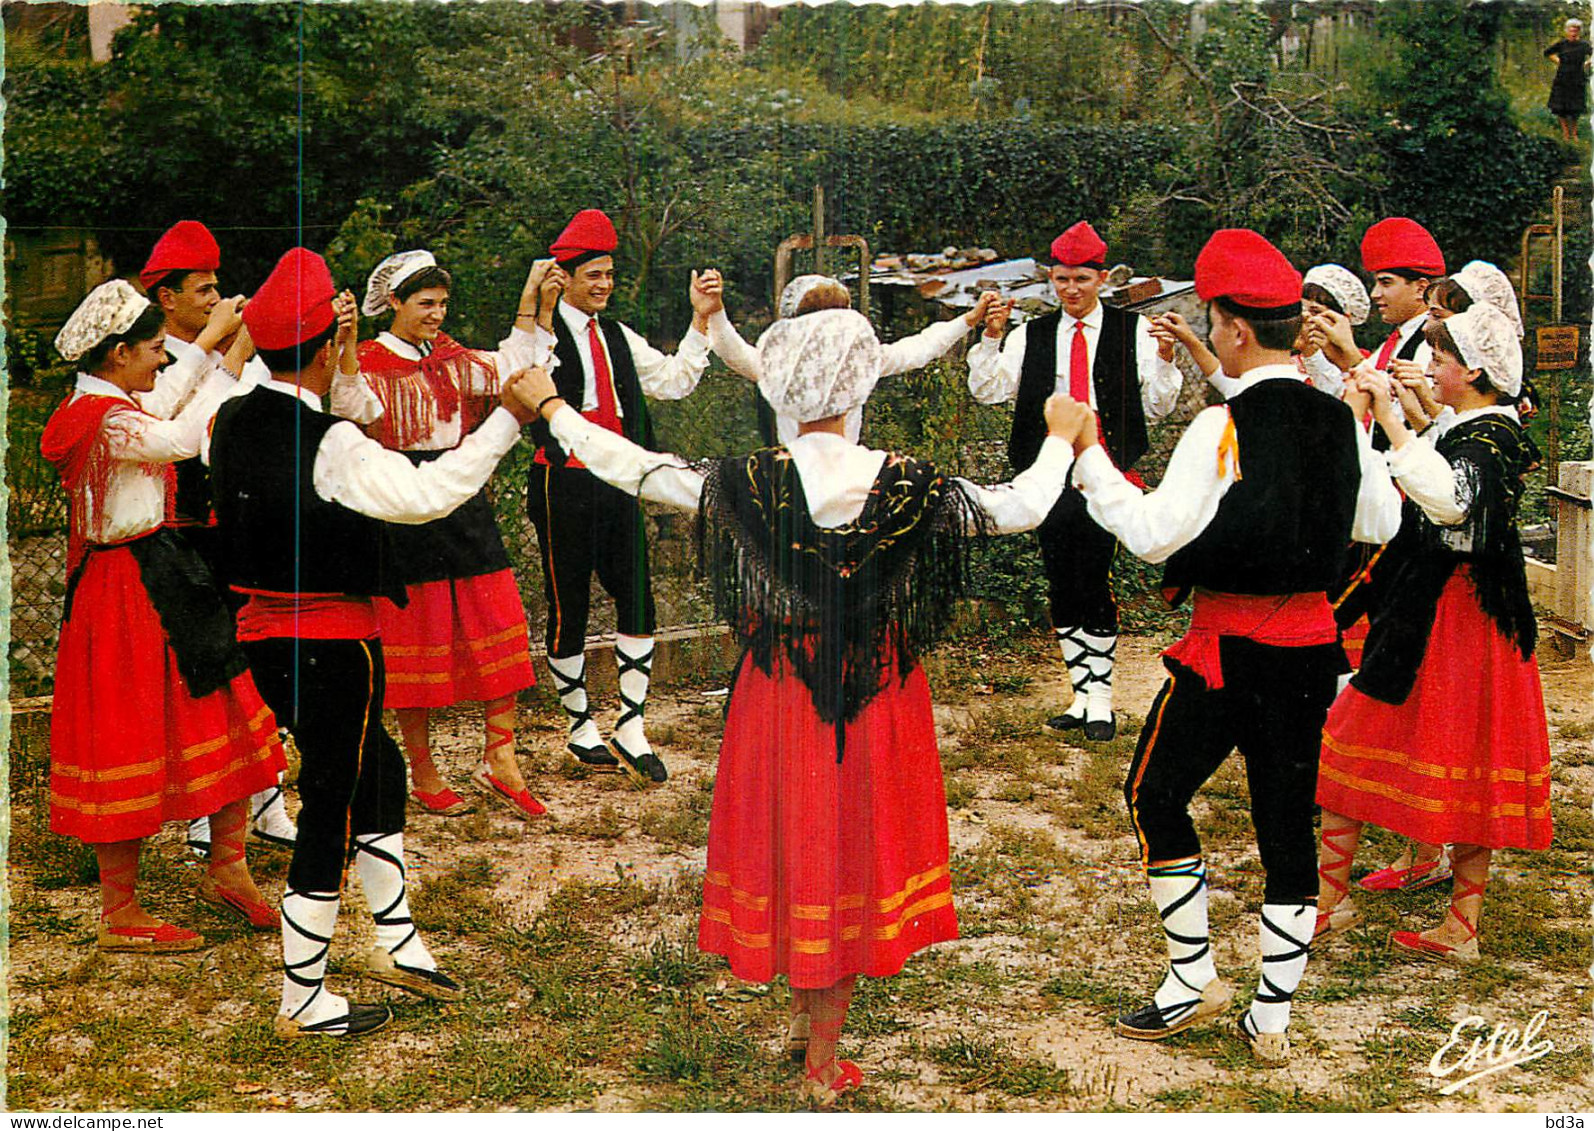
(1114, 374)
(1285, 525)
(192, 502)
(571, 381)
(277, 534)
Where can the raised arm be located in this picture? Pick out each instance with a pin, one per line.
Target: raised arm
(994, 365)
(656, 476)
(1155, 525)
(739, 354)
(133, 435)
(1160, 379)
(355, 470)
(918, 350)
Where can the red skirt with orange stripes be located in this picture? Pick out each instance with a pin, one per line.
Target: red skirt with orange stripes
(1465, 759)
(819, 869)
(130, 748)
(458, 640)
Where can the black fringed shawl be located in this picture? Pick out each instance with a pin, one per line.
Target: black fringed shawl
(1490, 453)
(838, 603)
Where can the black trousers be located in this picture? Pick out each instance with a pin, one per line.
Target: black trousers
(1078, 557)
(328, 693)
(585, 526)
(1272, 708)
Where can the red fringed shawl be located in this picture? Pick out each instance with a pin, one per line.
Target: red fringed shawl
(70, 442)
(415, 395)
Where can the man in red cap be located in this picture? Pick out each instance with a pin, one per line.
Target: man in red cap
(1108, 359)
(1261, 497)
(302, 501)
(180, 278)
(584, 526)
(1403, 260)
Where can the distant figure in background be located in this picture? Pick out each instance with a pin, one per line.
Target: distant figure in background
(1569, 87)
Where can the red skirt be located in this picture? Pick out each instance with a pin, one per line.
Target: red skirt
(818, 870)
(462, 640)
(1465, 759)
(130, 748)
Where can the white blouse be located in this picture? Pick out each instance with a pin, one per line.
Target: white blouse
(837, 475)
(141, 445)
(1442, 489)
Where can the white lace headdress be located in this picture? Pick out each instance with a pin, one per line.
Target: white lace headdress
(110, 308)
(820, 365)
(389, 274)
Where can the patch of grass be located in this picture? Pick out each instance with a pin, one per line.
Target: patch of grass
(605, 824)
(682, 821)
(1011, 683)
(979, 1063)
(1076, 985)
(670, 962)
(960, 790)
(459, 901)
(1001, 723)
(691, 1046)
(1015, 791)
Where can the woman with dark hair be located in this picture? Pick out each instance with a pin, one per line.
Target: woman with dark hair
(156, 718)
(462, 635)
(1442, 735)
(1569, 87)
(828, 852)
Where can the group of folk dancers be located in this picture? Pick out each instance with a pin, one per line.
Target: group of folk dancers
(274, 524)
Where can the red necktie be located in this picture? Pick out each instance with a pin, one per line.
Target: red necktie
(605, 413)
(1079, 367)
(1389, 349)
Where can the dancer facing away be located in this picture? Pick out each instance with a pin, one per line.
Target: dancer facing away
(1108, 359)
(808, 293)
(828, 852)
(156, 717)
(202, 332)
(303, 501)
(462, 633)
(584, 526)
(1441, 735)
(1261, 496)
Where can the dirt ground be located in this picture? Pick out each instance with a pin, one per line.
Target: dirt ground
(575, 936)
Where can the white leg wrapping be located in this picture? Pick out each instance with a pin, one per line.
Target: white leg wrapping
(570, 679)
(633, 656)
(379, 861)
(1099, 655)
(271, 813)
(1072, 643)
(1180, 892)
(308, 920)
(1286, 937)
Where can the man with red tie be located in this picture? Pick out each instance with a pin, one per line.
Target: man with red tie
(1106, 358)
(605, 370)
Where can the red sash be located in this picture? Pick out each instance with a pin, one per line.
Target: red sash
(1293, 620)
